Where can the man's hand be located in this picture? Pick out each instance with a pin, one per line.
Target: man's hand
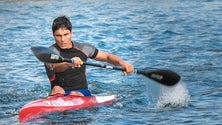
(77, 62)
(128, 67)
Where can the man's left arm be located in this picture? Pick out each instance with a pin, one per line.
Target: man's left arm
(114, 60)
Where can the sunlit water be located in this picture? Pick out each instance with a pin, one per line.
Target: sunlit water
(183, 36)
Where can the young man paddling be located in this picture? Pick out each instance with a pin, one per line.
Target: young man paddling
(70, 78)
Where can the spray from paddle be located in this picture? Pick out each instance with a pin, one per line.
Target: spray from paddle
(161, 97)
(171, 97)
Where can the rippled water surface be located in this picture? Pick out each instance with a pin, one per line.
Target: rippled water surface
(181, 35)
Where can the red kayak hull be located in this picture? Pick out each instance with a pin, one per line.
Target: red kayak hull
(61, 103)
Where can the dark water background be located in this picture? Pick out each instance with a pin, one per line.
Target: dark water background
(181, 35)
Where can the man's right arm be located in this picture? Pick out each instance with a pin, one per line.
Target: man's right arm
(61, 67)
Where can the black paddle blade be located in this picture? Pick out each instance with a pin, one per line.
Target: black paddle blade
(165, 77)
(47, 55)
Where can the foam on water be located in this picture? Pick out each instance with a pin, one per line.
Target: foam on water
(175, 96)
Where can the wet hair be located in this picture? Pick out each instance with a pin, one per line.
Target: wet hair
(61, 22)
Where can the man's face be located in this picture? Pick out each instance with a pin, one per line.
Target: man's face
(63, 38)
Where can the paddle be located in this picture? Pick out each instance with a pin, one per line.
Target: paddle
(165, 77)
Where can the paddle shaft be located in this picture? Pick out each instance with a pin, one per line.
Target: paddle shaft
(164, 77)
(107, 66)
(96, 65)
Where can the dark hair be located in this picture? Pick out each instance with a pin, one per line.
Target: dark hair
(61, 22)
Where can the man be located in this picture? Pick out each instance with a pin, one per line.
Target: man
(70, 78)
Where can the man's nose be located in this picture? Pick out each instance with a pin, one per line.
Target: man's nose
(63, 38)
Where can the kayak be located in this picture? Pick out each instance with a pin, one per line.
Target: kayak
(61, 103)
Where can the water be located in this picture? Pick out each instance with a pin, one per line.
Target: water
(183, 36)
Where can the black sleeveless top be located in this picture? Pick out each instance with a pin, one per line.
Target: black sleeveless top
(71, 78)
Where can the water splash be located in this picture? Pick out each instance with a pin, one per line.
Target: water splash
(176, 96)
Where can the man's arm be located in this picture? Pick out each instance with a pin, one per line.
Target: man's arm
(60, 67)
(114, 60)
